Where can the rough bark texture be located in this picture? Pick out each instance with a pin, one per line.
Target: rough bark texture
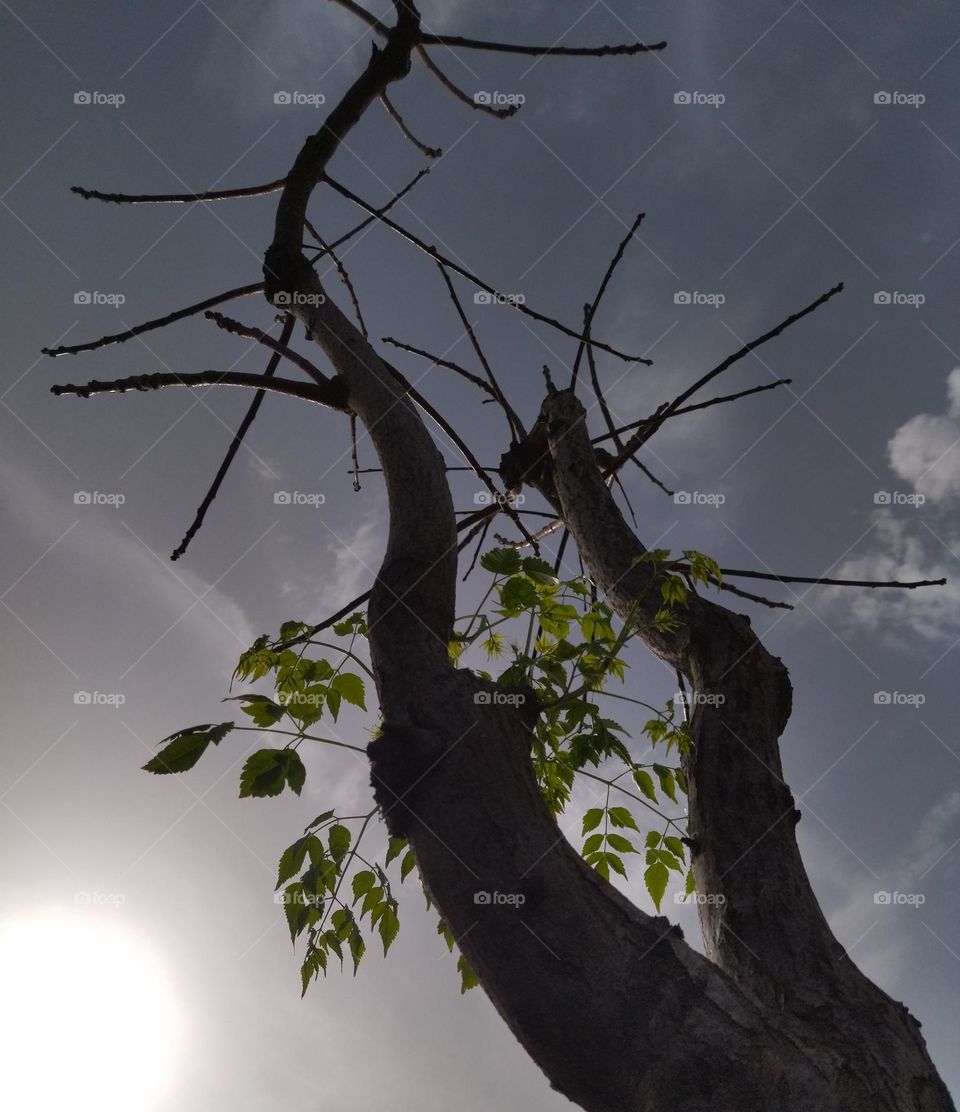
(619, 1012)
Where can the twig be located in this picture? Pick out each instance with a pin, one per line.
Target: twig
(482, 529)
(513, 421)
(160, 322)
(353, 452)
(499, 113)
(429, 152)
(234, 446)
(344, 276)
(591, 311)
(261, 337)
(179, 198)
(908, 585)
(434, 254)
(449, 364)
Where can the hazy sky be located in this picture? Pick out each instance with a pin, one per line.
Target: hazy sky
(776, 150)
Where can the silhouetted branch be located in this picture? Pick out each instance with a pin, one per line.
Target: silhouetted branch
(261, 337)
(344, 276)
(440, 362)
(179, 198)
(908, 585)
(234, 446)
(306, 391)
(464, 273)
(160, 322)
(513, 421)
(429, 152)
(478, 106)
(591, 310)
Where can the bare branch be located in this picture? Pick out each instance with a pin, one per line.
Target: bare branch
(179, 198)
(429, 152)
(499, 113)
(464, 273)
(908, 585)
(234, 446)
(658, 419)
(591, 311)
(344, 276)
(353, 452)
(160, 322)
(334, 398)
(261, 337)
(513, 421)
(440, 362)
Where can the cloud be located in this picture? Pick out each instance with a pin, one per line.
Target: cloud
(926, 450)
(902, 550)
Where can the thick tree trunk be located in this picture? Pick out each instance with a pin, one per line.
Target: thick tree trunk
(619, 1012)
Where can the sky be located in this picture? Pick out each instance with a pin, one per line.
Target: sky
(776, 150)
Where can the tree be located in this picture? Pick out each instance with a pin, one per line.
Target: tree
(615, 1007)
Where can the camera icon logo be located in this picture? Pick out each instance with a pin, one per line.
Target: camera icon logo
(483, 498)
(682, 498)
(881, 98)
(81, 297)
(282, 298)
(882, 698)
(82, 98)
(281, 98)
(482, 898)
(482, 699)
(481, 98)
(282, 498)
(82, 498)
(82, 698)
(881, 897)
(681, 98)
(882, 498)
(881, 297)
(481, 297)
(681, 297)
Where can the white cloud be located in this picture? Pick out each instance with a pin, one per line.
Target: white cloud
(926, 450)
(902, 550)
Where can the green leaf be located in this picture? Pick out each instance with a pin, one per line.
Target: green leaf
(620, 816)
(621, 844)
(518, 594)
(296, 906)
(592, 819)
(644, 782)
(691, 885)
(674, 845)
(362, 883)
(339, 841)
(655, 877)
(468, 979)
(592, 844)
(264, 712)
(186, 748)
(318, 820)
(293, 770)
(263, 774)
(406, 865)
(615, 863)
(395, 848)
(538, 570)
(350, 686)
(291, 861)
(501, 561)
(667, 785)
(389, 927)
(289, 630)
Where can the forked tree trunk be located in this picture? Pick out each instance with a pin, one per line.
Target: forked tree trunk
(619, 1012)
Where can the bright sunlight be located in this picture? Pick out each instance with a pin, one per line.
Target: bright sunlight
(87, 1019)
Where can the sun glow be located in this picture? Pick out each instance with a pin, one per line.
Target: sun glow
(87, 1019)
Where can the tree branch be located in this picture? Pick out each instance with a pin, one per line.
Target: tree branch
(261, 337)
(429, 152)
(179, 198)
